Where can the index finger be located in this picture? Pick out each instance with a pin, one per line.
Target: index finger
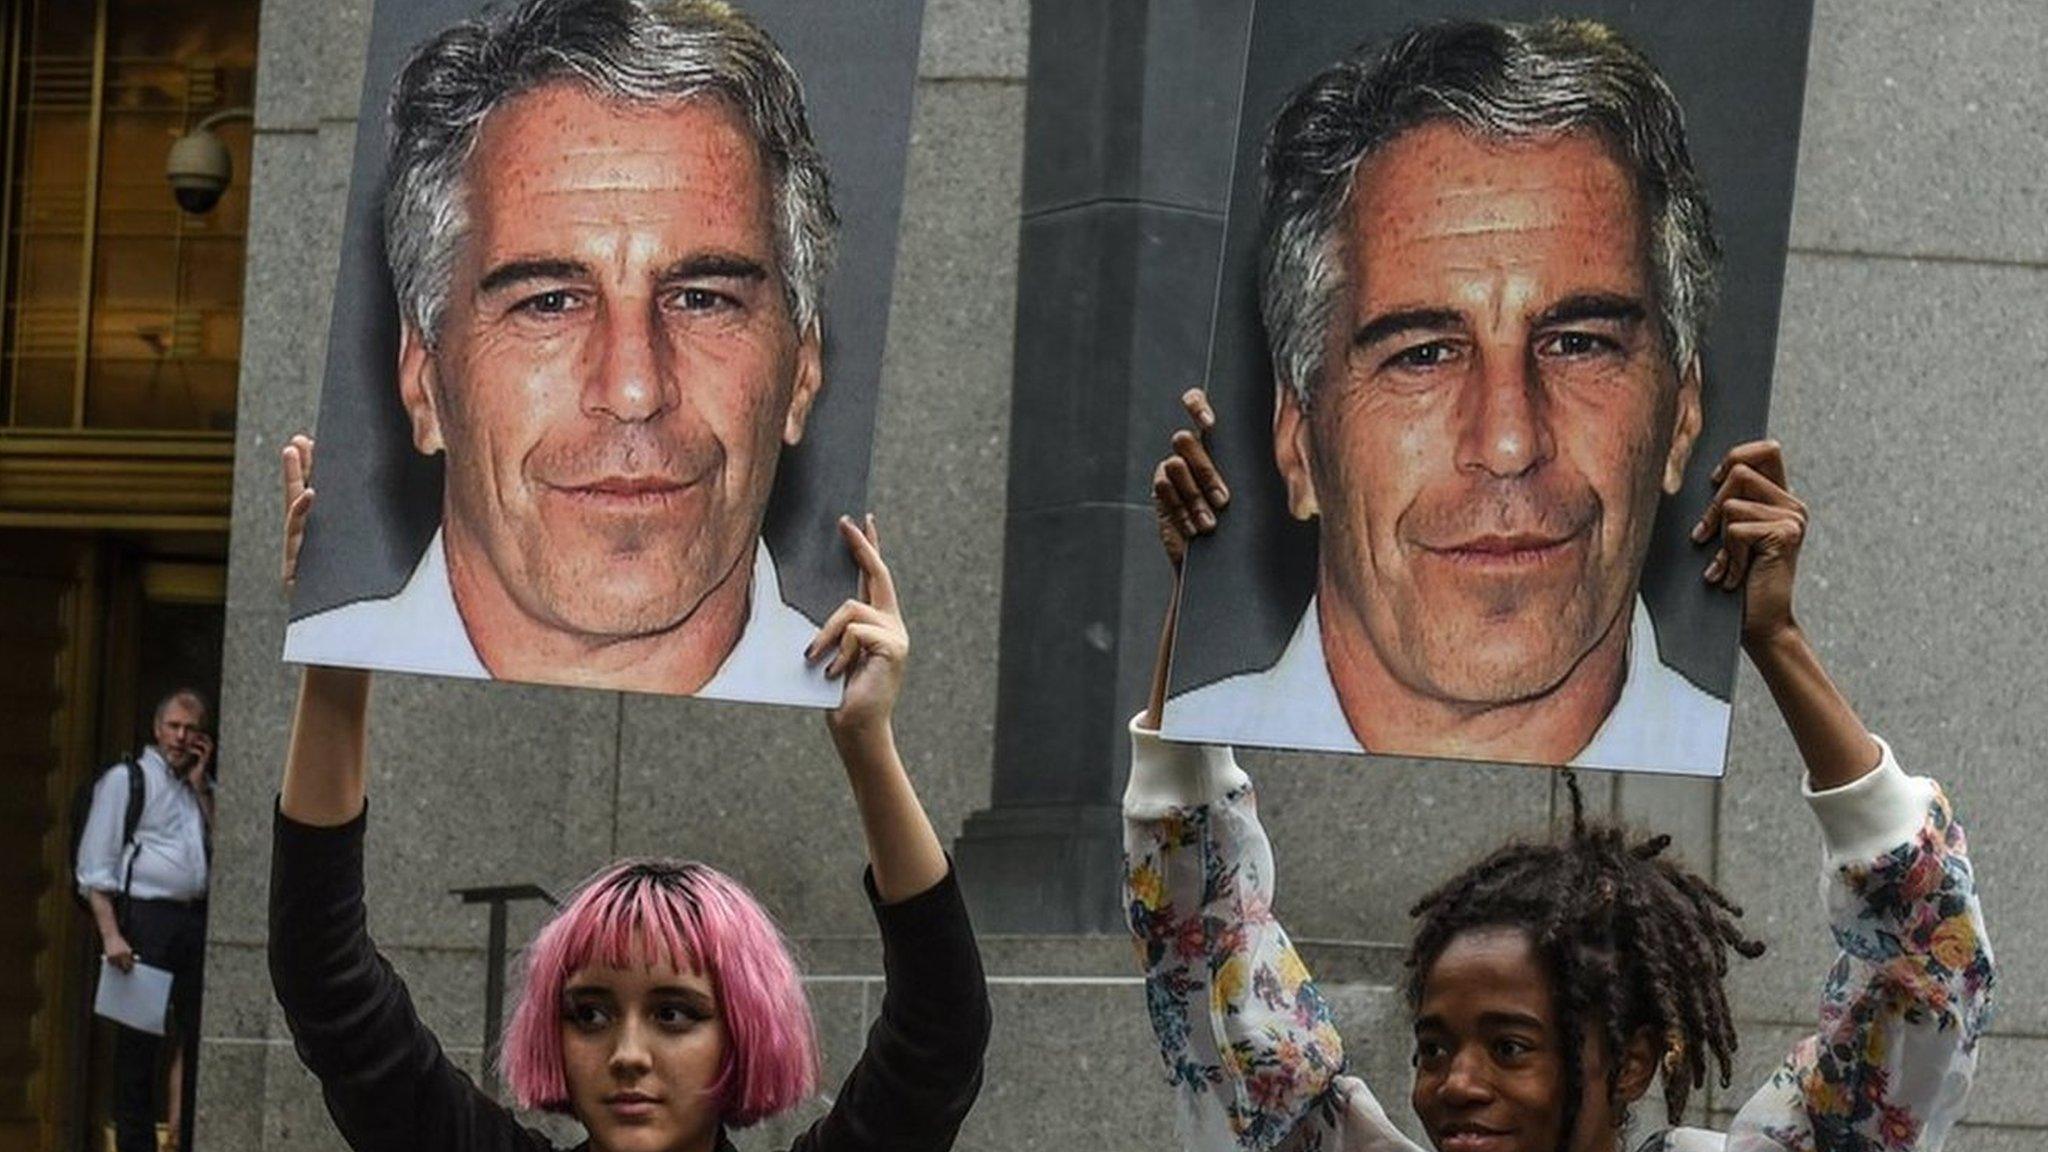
(1201, 466)
(881, 587)
(1766, 456)
(874, 536)
(1196, 402)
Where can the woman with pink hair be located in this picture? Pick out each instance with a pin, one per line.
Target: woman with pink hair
(660, 1006)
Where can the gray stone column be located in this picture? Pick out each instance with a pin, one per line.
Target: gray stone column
(1130, 121)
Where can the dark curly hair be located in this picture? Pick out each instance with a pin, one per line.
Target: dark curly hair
(1631, 941)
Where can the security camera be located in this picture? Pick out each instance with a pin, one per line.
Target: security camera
(199, 169)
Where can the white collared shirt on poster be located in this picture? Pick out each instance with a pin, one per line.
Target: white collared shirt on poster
(1661, 722)
(170, 840)
(420, 630)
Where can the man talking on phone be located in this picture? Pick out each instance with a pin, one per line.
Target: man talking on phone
(147, 891)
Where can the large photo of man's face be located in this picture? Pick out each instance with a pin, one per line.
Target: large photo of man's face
(607, 231)
(1488, 250)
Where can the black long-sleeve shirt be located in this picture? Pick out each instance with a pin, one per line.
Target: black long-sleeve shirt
(389, 1086)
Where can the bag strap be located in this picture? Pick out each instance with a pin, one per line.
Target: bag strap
(131, 821)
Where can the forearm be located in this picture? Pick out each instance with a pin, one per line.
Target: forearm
(1832, 740)
(103, 917)
(903, 851)
(1162, 662)
(1247, 1039)
(325, 766)
(1910, 994)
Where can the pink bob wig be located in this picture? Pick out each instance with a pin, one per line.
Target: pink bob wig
(691, 918)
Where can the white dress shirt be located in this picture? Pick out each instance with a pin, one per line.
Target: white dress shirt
(170, 839)
(420, 630)
(1661, 722)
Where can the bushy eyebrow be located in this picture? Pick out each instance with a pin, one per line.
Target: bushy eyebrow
(1593, 306)
(714, 265)
(1390, 324)
(1571, 310)
(709, 265)
(519, 271)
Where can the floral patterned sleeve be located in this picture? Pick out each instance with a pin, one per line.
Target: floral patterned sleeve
(1909, 995)
(1249, 1045)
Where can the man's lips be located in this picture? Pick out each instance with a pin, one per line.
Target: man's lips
(1503, 549)
(622, 491)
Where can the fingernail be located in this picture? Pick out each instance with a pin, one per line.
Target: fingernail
(1699, 531)
(1220, 495)
(1207, 520)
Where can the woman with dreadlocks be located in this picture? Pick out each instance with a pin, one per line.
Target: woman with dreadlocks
(1553, 981)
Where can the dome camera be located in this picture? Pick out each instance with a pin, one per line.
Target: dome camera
(199, 169)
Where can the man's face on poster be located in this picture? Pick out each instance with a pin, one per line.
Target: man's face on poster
(1498, 412)
(617, 368)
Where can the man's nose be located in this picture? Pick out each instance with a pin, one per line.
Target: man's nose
(1504, 417)
(628, 377)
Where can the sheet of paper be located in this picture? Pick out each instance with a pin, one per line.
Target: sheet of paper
(137, 999)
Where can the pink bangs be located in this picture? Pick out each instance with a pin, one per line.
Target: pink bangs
(691, 918)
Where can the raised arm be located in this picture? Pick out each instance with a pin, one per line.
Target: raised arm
(921, 1069)
(1187, 495)
(1909, 995)
(387, 1083)
(868, 646)
(324, 766)
(1249, 1045)
(1762, 525)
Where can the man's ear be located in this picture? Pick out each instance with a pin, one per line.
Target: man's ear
(417, 390)
(1639, 1063)
(1293, 452)
(1685, 431)
(810, 377)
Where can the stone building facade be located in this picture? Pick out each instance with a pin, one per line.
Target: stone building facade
(1911, 363)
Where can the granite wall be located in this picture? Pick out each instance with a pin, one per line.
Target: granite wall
(1912, 359)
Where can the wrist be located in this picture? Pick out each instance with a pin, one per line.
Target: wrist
(863, 741)
(1775, 643)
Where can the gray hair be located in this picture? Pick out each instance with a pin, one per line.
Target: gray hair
(634, 51)
(1497, 80)
(189, 696)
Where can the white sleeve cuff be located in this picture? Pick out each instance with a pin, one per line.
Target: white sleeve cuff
(1166, 776)
(1874, 813)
